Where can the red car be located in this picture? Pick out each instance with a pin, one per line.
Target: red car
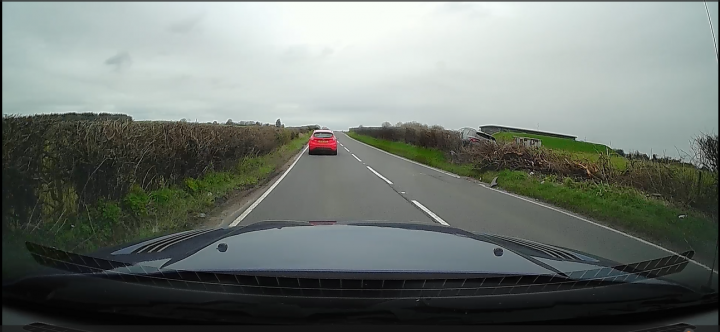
(323, 141)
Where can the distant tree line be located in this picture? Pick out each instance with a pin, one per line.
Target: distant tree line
(230, 122)
(83, 116)
(412, 124)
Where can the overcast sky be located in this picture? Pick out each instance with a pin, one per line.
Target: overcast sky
(634, 75)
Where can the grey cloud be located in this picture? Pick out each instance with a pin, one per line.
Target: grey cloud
(327, 51)
(440, 65)
(119, 60)
(637, 75)
(296, 53)
(306, 52)
(186, 25)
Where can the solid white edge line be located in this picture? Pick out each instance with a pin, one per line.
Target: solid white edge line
(411, 161)
(554, 209)
(358, 159)
(378, 174)
(601, 226)
(267, 192)
(432, 215)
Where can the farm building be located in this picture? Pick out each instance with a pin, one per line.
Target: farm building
(492, 129)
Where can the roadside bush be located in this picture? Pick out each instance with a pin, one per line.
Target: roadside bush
(683, 185)
(416, 134)
(508, 155)
(54, 168)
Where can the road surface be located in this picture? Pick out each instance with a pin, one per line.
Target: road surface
(365, 183)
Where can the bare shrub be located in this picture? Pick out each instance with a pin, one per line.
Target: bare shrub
(53, 167)
(416, 134)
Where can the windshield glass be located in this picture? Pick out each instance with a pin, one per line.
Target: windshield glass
(323, 135)
(165, 135)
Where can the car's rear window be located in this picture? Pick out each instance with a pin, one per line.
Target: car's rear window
(323, 135)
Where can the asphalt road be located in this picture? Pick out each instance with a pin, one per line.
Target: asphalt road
(364, 183)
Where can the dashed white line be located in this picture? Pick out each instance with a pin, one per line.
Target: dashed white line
(267, 192)
(358, 159)
(412, 161)
(430, 213)
(378, 174)
(346, 149)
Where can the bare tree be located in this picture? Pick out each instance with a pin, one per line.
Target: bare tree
(277, 123)
(229, 122)
(705, 148)
(415, 125)
(386, 124)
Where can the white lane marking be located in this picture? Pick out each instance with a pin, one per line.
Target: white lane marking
(411, 161)
(601, 226)
(378, 174)
(557, 210)
(267, 192)
(358, 159)
(346, 149)
(430, 213)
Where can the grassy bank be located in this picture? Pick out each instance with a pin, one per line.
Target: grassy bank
(144, 214)
(577, 150)
(430, 157)
(623, 208)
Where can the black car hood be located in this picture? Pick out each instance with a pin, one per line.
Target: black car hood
(308, 269)
(299, 248)
(355, 248)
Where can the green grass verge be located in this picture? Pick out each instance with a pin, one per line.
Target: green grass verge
(620, 207)
(430, 157)
(577, 150)
(144, 214)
